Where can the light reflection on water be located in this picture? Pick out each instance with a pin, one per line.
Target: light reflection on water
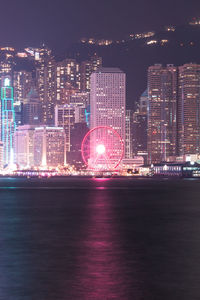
(99, 239)
(102, 272)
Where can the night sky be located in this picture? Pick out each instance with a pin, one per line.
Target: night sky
(58, 23)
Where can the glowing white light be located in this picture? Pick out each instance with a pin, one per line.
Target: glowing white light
(100, 149)
(6, 81)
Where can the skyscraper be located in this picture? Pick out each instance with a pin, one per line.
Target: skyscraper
(67, 79)
(22, 83)
(189, 109)
(139, 127)
(46, 84)
(129, 138)
(7, 119)
(140, 134)
(31, 112)
(65, 118)
(87, 67)
(162, 92)
(108, 101)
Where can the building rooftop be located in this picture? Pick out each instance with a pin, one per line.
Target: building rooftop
(145, 93)
(108, 70)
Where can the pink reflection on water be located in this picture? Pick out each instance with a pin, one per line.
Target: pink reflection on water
(101, 179)
(101, 273)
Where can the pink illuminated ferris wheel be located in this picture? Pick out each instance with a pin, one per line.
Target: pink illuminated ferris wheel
(102, 148)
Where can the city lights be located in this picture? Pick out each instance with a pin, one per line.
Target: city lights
(74, 113)
(100, 149)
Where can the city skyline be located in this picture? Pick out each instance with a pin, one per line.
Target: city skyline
(77, 96)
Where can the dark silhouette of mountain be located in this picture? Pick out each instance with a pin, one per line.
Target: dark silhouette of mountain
(135, 56)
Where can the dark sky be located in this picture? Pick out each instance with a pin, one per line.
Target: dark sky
(60, 22)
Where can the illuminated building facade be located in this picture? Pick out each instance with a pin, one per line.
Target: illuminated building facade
(80, 98)
(87, 68)
(67, 80)
(128, 131)
(31, 109)
(45, 77)
(189, 109)
(7, 119)
(49, 146)
(108, 99)
(65, 118)
(22, 82)
(107, 104)
(18, 113)
(80, 114)
(81, 102)
(23, 146)
(162, 92)
(139, 127)
(139, 134)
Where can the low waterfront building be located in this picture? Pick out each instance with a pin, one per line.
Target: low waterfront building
(49, 146)
(136, 161)
(23, 146)
(187, 169)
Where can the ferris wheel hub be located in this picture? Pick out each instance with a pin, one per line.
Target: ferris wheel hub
(101, 149)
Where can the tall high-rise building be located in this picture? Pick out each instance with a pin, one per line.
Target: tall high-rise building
(87, 68)
(189, 109)
(65, 118)
(139, 134)
(108, 99)
(7, 119)
(81, 102)
(67, 80)
(162, 92)
(31, 112)
(46, 84)
(18, 107)
(129, 138)
(22, 83)
(49, 146)
(144, 102)
(139, 127)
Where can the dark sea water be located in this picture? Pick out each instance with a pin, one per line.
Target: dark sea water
(99, 239)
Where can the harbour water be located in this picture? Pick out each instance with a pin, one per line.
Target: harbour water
(84, 238)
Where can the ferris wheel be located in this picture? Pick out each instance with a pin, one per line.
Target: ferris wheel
(102, 148)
